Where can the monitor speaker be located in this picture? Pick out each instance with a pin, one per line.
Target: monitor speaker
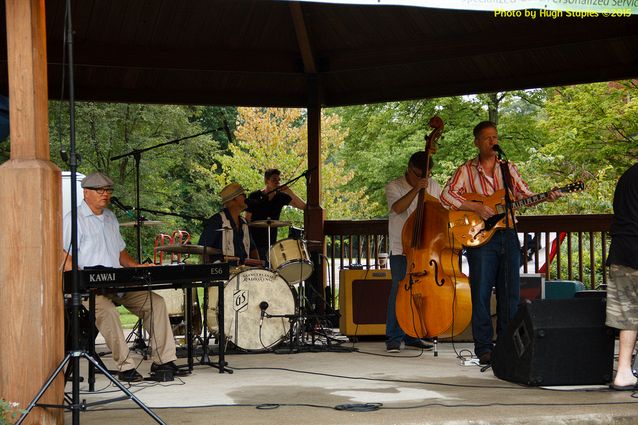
(363, 301)
(557, 342)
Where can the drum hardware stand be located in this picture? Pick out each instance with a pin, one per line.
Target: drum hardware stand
(293, 347)
(73, 357)
(315, 327)
(139, 344)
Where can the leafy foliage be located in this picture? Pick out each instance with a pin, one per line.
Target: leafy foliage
(555, 135)
(277, 138)
(169, 177)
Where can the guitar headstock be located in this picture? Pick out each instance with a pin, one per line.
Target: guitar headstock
(573, 187)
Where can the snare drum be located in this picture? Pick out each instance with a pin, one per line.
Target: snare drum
(291, 260)
(244, 296)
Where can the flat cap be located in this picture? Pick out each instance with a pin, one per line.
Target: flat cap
(96, 181)
(231, 191)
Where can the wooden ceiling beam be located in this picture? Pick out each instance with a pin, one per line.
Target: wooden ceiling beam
(303, 38)
(113, 56)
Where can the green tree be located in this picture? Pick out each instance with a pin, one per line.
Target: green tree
(168, 175)
(277, 138)
(592, 135)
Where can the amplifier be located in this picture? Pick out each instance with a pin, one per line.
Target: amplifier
(363, 301)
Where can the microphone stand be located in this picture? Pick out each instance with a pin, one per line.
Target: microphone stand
(304, 174)
(509, 216)
(137, 156)
(188, 217)
(72, 358)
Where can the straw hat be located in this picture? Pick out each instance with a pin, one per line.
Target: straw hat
(230, 192)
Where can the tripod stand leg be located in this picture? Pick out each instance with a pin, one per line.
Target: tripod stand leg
(125, 390)
(45, 387)
(74, 404)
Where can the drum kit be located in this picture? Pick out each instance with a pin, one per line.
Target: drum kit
(261, 305)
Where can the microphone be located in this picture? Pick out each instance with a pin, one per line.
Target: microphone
(497, 148)
(263, 306)
(119, 204)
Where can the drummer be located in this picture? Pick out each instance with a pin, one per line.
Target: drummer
(266, 204)
(227, 230)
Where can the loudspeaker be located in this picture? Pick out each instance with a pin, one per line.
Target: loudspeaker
(557, 342)
(363, 301)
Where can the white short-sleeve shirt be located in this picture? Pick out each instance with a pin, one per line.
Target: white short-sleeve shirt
(99, 238)
(394, 191)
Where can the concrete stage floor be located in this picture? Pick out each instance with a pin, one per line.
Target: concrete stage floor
(371, 386)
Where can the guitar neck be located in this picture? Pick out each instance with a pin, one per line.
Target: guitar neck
(534, 199)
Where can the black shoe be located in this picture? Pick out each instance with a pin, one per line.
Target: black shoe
(393, 347)
(169, 366)
(130, 375)
(419, 343)
(485, 358)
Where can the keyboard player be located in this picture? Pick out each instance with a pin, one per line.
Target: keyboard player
(100, 244)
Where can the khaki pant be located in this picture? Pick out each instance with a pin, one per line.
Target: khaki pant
(622, 298)
(148, 306)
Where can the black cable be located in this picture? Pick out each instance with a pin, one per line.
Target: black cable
(366, 407)
(403, 381)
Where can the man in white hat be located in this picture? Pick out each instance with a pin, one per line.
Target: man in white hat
(100, 244)
(227, 230)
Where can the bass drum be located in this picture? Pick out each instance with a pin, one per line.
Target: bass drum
(175, 300)
(245, 294)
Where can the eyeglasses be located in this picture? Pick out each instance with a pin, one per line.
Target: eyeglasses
(102, 191)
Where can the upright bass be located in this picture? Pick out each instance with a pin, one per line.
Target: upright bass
(433, 299)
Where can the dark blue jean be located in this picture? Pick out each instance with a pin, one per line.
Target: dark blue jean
(495, 264)
(393, 332)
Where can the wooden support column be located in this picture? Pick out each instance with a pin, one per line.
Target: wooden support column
(315, 215)
(31, 316)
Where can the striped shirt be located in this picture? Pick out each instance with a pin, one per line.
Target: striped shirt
(471, 178)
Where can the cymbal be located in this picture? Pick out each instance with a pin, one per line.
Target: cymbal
(189, 249)
(269, 223)
(144, 223)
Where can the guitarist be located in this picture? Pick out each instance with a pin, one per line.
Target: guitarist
(496, 263)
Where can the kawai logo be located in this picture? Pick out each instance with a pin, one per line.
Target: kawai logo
(102, 277)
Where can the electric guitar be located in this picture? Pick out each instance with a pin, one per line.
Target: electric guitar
(472, 231)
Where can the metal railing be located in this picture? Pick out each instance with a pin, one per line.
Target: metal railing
(576, 245)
